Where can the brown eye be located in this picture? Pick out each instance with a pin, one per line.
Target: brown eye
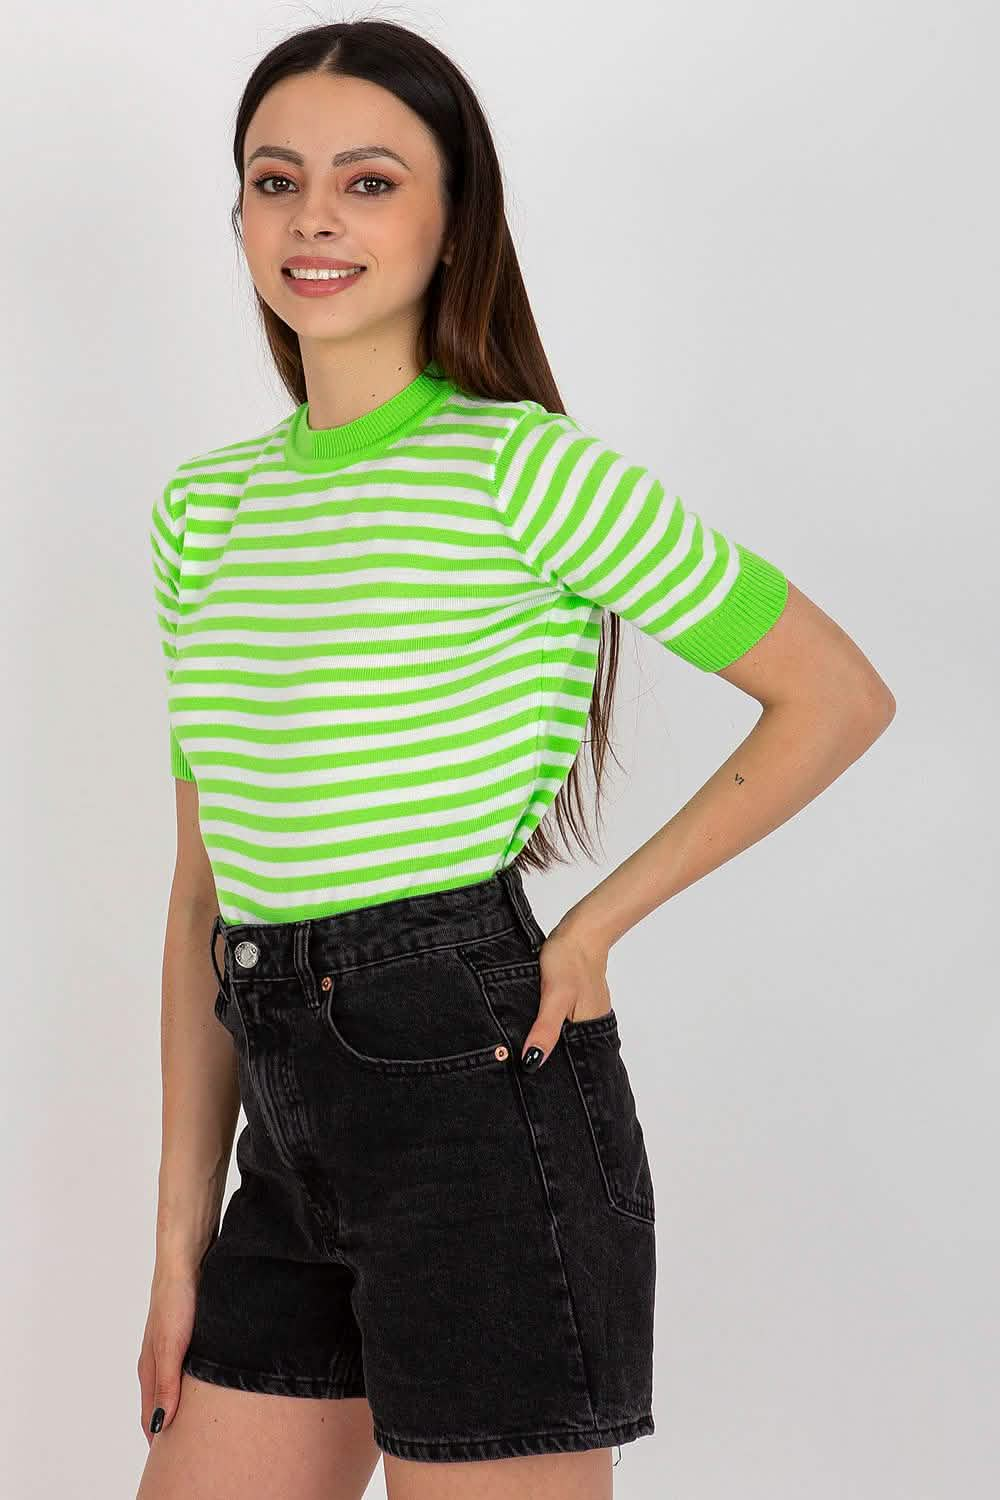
(258, 183)
(369, 178)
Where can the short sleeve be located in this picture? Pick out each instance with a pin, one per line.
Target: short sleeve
(602, 527)
(165, 538)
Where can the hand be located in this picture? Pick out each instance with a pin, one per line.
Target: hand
(574, 987)
(167, 1334)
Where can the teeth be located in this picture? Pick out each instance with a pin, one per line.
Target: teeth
(322, 275)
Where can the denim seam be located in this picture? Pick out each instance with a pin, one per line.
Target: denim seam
(264, 1103)
(235, 1372)
(475, 1057)
(458, 1437)
(635, 1206)
(522, 908)
(394, 958)
(281, 1147)
(611, 1429)
(252, 978)
(548, 1202)
(516, 967)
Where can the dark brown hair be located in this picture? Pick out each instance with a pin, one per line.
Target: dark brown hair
(478, 324)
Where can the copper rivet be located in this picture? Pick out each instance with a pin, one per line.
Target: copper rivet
(326, 982)
(500, 1053)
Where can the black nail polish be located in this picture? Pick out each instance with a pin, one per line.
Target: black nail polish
(156, 1421)
(532, 1058)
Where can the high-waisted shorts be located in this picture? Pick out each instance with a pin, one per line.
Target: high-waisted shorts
(419, 1220)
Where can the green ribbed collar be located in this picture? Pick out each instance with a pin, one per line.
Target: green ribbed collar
(331, 447)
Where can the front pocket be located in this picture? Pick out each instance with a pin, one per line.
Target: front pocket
(421, 1012)
(594, 1051)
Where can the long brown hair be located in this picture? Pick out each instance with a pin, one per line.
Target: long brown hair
(478, 324)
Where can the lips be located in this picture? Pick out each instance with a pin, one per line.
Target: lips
(322, 286)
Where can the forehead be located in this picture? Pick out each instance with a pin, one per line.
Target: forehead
(317, 115)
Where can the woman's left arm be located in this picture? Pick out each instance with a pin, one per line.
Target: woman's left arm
(823, 705)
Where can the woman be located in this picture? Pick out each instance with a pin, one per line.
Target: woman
(388, 622)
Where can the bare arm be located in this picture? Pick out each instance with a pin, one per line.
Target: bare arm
(199, 1075)
(823, 706)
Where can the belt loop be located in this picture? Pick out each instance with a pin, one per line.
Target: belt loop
(511, 877)
(302, 961)
(216, 929)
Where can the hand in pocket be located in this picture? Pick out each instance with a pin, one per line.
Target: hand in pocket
(574, 987)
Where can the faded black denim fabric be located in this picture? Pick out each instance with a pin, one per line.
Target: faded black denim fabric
(419, 1220)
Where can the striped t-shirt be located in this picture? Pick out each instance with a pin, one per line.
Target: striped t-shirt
(381, 638)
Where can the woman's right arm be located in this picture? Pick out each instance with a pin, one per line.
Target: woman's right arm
(200, 1086)
(200, 1108)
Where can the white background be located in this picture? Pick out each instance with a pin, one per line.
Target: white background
(760, 240)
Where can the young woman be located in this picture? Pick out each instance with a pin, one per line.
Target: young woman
(388, 623)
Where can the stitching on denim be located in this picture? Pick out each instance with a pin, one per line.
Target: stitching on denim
(303, 967)
(196, 1362)
(277, 1139)
(520, 967)
(284, 1151)
(548, 1199)
(252, 977)
(595, 1026)
(633, 1206)
(522, 907)
(408, 953)
(472, 1442)
(476, 1057)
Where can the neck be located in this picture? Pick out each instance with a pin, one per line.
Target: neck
(351, 383)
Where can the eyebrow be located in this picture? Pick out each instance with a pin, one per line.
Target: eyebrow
(342, 158)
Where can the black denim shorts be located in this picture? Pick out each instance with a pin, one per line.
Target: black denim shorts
(419, 1221)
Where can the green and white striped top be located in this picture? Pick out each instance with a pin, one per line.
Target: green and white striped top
(381, 638)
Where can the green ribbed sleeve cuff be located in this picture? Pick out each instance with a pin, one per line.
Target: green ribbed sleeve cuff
(748, 612)
(178, 761)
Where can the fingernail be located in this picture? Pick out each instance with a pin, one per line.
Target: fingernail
(156, 1421)
(532, 1058)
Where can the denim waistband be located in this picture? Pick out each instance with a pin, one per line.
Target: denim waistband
(282, 950)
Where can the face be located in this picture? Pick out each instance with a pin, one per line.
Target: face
(379, 212)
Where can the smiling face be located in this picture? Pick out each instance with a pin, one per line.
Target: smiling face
(326, 185)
